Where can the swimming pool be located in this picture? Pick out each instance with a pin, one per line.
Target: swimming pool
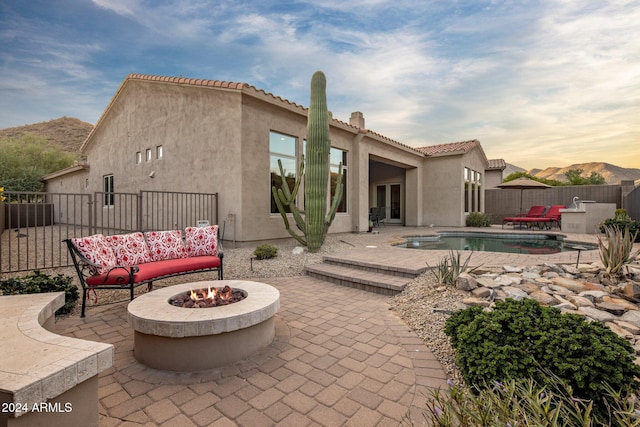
(532, 244)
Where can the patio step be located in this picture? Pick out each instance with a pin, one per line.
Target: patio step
(370, 281)
(387, 269)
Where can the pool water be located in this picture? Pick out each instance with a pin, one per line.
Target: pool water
(532, 244)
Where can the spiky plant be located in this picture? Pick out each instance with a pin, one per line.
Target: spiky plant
(314, 221)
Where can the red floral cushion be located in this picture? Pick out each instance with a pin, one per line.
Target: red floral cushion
(202, 240)
(130, 249)
(96, 249)
(165, 244)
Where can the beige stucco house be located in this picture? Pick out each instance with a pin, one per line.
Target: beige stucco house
(179, 134)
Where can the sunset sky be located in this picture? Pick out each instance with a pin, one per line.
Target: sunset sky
(539, 83)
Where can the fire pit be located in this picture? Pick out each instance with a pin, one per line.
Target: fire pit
(209, 297)
(195, 339)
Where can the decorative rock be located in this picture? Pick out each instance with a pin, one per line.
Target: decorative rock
(595, 314)
(628, 305)
(527, 287)
(631, 316)
(476, 302)
(579, 301)
(571, 284)
(550, 275)
(569, 269)
(595, 296)
(511, 269)
(487, 282)
(298, 250)
(466, 282)
(622, 333)
(560, 290)
(565, 304)
(633, 329)
(615, 309)
(587, 268)
(631, 289)
(543, 298)
(506, 280)
(514, 293)
(481, 292)
(530, 275)
(553, 267)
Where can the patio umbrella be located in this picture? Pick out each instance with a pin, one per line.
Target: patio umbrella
(523, 184)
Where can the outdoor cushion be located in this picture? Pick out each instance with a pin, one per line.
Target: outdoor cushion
(130, 249)
(202, 240)
(96, 250)
(165, 245)
(153, 270)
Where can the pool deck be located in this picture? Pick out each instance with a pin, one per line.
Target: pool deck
(340, 356)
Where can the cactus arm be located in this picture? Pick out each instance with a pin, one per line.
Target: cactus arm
(337, 198)
(277, 194)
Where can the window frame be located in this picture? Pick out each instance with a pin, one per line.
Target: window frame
(108, 190)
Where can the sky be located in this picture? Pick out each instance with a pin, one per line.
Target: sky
(539, 83)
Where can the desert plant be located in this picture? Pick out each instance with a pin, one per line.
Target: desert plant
(478, 219)
(449, 268)
(617, 251)
(517, 339)
(37, 283)
(524, 403)
(265, 251)
(316, 221)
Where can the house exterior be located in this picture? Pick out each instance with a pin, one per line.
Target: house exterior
(179, 134)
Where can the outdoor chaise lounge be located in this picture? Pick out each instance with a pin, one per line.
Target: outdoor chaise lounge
(534, 212)
(552, 217)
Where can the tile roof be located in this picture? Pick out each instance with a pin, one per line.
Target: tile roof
(242, 87)
(452, 148)
(498, 164)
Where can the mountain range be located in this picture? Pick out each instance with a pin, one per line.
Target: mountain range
(612, 174)
(69, 133)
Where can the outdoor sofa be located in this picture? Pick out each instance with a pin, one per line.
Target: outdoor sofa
(126, 261)
(551, 217)
(534, 212)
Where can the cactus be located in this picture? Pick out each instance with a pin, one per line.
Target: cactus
(316, 221)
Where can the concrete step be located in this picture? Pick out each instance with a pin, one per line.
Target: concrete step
(356, 278)
(391, 270)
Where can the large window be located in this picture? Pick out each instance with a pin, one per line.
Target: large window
(107, 184)
(283, 148)
(336, 157)
(472, 187)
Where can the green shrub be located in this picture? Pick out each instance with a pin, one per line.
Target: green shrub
(522, 339)
(265, 251)
(37, 283)
(621, 223)
(524, 403)
(478, 219)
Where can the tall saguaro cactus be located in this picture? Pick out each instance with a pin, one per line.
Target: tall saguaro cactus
(316, 219)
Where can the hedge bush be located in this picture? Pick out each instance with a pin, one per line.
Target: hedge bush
(265, 251)
(478, 219)
(522, 339)
(37, 283)
(621, 223)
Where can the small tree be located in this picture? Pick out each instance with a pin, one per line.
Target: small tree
(24, 160)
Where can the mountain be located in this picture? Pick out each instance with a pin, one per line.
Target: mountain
(66, 132)
(612, 174)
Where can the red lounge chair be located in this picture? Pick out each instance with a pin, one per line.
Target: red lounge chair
(534, 212)
(552, 216)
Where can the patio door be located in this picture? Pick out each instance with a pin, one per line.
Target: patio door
(389, 197)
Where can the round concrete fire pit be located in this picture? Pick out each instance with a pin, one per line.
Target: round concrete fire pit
(195, 339)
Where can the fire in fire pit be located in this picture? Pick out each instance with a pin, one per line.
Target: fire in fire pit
(210, 297)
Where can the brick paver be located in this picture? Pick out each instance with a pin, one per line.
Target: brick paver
(340, 356)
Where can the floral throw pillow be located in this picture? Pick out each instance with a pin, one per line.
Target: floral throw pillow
(96, 249)
(130, 249)
(165, 245)
(202, 240)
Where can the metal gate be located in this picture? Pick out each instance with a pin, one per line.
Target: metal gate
(34, 225)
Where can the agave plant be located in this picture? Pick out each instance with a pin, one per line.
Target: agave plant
(616, 248)
(449, 268)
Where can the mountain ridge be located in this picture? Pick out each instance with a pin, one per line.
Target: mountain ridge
(612, 174)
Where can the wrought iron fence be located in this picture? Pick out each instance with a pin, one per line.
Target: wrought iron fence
(34, 225)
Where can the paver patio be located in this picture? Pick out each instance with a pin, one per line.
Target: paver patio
(340, 357)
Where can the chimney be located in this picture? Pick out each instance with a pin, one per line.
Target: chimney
(357, 120)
